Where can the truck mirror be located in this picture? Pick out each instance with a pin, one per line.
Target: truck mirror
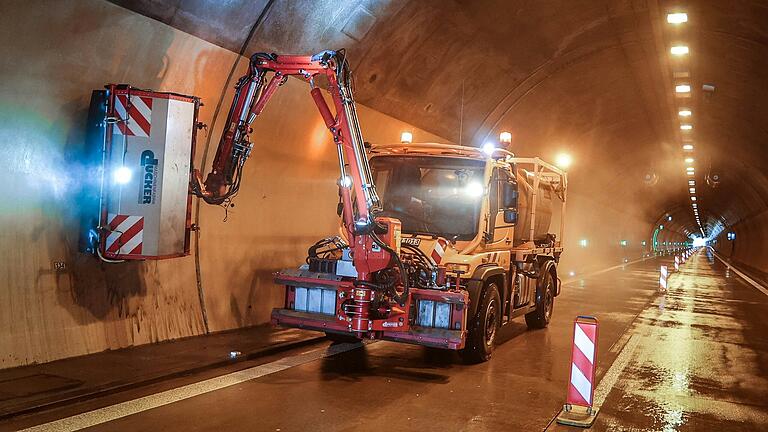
(509, 198)
(510, 216)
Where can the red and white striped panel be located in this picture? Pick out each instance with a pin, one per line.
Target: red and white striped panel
(440, 247)
(126, 234)
(135, 113)
(581, 387)
(663, 274)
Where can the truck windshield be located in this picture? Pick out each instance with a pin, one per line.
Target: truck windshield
(436, 195)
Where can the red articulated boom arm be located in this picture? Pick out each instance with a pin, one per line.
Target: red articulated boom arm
(358, 193)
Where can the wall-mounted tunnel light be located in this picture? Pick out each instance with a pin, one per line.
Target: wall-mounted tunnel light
(563, 160)
(683, 88)
(677, 18)
(679, 50)
(669, 217)
(624, 243)
(685, 112)
(505, 138)
(688, 147)
(661, 227)
(686, 127)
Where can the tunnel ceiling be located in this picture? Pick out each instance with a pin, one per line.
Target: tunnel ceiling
(593, 78)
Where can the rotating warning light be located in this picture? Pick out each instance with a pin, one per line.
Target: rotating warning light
(406, 137)
(563, 160)
(505, 137)
(122, 175)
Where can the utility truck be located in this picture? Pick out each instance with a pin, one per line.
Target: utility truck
(439, 245)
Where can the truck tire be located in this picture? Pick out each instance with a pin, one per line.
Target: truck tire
(481, 338)
(340, 338)
(539, 318)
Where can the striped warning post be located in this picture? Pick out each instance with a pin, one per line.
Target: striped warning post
(663, 275)
(677, 263)
(579, 409)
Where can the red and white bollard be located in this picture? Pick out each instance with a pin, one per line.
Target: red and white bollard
(677, 263)
(663, 275)
(579, 409)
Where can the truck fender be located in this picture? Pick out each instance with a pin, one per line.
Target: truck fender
(476, 285)
(547, 266)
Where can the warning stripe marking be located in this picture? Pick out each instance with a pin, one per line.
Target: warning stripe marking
(126, 234)
(136, 118)
(582, 364)
(439, 250)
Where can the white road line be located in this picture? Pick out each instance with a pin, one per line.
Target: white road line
(594, 273)
(614, 372)
(743, 276)
(135, 406)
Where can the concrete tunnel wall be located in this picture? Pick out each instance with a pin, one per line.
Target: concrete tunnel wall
(287, 202)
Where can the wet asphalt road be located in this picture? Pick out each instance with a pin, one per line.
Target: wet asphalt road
(693, 359)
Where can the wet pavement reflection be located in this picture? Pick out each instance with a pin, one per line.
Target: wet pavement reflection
(702, 359)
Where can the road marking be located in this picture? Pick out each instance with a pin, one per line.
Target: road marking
(594, 273)
(614, 372)
(135, 406)
(743, 276)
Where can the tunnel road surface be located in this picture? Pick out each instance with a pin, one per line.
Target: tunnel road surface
(693, 359)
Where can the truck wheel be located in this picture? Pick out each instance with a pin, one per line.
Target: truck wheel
(340, 338)
(539, 318)
(481, 338)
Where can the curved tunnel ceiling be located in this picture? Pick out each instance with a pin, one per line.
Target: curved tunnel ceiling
(593, 78)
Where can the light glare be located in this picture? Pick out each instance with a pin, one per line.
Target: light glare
(677, 17)
(489, 148)
(563, 160)
(122, 175)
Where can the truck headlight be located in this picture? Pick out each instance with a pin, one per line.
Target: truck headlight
(122, 175)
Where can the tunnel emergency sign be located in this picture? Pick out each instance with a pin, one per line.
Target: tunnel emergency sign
(149, 149)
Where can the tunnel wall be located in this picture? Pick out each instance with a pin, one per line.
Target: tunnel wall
(287, 202)
(748, 249)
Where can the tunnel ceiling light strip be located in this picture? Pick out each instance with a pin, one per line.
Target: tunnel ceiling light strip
(686, 127)
(685, 112)
(679, 50)
(689, 160)
(677, 18)
(692, 190)
(693, 198)
(683, 88)
(692, 182)
(688, 147)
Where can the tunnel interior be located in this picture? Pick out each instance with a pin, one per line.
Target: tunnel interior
(596, 80)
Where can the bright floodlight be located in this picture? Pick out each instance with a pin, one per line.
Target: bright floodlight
(122, 175)
(686, 127)
(474, 189)
(688, 147)
(489, 148)
(685, 113)
(406, 137)
(677, 18)
(505, 137)
(679, 50)
(563, 160)
(699, 242)
(683, 88)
